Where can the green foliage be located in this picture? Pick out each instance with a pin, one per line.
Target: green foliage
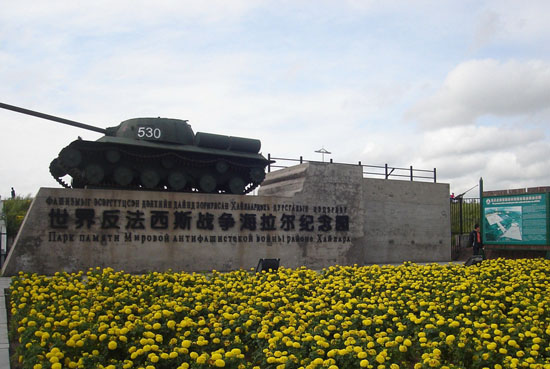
(14, 212)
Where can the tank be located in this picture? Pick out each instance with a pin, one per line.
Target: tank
(161, 154)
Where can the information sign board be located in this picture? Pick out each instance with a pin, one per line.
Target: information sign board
(515, 219)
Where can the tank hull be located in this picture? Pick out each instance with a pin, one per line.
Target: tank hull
(113, 162)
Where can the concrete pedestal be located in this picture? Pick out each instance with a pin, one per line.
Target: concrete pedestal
(312, 215)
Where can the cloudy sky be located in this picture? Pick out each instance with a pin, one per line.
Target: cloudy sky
(461, 86)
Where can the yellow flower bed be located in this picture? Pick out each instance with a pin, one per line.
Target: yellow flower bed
(495, 315)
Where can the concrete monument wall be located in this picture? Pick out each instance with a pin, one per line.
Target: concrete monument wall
(406, 221)
(400, 220)
(314, 215)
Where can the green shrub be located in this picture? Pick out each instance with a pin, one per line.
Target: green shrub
(14, 212)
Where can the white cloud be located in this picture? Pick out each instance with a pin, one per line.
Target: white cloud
(488, 26)
(504, 156)
(119, 14)
(486, 87)
(488, 120)
(511, 22)
(465, 140)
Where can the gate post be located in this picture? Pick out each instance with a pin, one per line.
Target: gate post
(460, 202)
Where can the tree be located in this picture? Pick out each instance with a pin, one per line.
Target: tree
(14, 212)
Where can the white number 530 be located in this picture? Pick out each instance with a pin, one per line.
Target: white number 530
(149, 132)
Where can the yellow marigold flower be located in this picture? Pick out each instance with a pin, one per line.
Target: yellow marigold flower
(216, 356)
(318, 361)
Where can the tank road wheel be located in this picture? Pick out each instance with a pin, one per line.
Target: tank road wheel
(70, 157)
(177, 181)
(123, 176)
(112, 156)
(236, 185)
(56, 170)
(207, 183)
(257, 174)
(149, 178)
(94, 173)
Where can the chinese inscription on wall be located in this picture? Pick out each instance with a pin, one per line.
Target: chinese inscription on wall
(108, 221)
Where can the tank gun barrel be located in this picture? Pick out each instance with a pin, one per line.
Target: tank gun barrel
(54, 118)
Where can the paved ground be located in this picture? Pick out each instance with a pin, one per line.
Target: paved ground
(4, 343)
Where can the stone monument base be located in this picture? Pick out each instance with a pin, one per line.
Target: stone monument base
(312, 215)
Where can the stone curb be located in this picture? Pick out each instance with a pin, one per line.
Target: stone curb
(4, 340)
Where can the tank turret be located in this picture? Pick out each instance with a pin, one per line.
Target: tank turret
(157, 154)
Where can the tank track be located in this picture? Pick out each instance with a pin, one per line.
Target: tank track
(95, 152)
